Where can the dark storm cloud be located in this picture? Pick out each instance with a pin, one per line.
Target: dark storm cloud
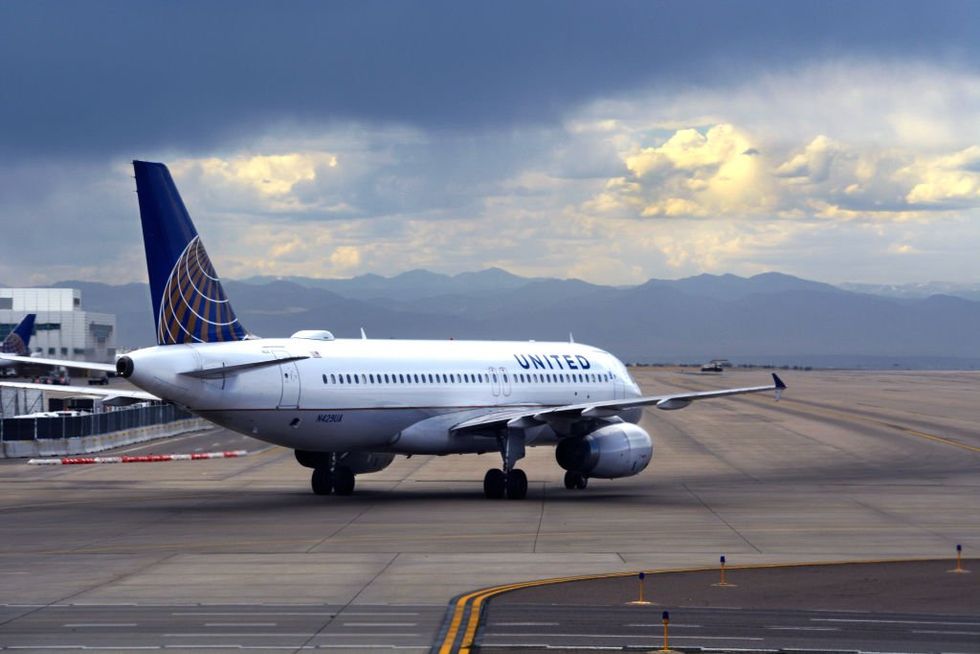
(108, 78)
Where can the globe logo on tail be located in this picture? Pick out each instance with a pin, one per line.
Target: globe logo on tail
(194, 307)
(13, 344)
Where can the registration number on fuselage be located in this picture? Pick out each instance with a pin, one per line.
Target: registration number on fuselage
(330, 417)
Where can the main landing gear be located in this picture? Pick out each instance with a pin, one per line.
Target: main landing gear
(575, 480)
(340, 480)
(509, 482)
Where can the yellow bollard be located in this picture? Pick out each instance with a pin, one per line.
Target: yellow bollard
(722, 582)
(666, 618)
(959, 569)
(642, 601)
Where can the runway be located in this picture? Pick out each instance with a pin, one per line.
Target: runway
(848, 465)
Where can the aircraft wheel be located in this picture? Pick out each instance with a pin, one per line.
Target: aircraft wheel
(494, 484)
(343, 481)
(575, 480)
(516, 485)
(322, 481)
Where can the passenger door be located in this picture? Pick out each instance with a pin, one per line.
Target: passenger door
(290, 382)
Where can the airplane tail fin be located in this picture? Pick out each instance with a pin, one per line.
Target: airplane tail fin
(18, 340)
(189, 304)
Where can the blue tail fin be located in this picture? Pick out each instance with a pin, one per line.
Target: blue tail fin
(189, 305)
(17, 341)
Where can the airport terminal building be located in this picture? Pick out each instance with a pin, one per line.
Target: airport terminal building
(62, 330)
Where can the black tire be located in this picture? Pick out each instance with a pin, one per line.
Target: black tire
(322, 481)
(343, 481)
(516, 485)
(575, 480)
(494, 484)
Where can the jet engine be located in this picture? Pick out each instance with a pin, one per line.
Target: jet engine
(617, 450)
(358, 462)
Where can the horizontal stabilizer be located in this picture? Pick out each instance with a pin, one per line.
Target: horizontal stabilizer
(222, 371)
(113, 396)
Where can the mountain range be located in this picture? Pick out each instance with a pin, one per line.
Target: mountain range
(767, 319)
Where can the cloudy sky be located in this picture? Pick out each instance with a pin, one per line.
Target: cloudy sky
(610, 141)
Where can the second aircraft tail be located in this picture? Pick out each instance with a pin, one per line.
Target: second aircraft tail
(18, 341)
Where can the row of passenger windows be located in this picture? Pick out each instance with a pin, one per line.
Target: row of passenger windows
(464, 378)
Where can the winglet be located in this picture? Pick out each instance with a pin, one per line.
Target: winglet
(780, 386)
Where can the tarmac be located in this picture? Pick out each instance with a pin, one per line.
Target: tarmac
(847, 466)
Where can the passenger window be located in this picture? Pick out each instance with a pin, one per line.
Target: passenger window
(324, 378)
(341, 378)
(401, 379)
(386, 379)
(505, 377)
(357, 380)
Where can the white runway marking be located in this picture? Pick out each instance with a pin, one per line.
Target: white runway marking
(381, 613)
(305, 634)
(215, 614)
(380, 624)
(946, 633)
(782, 628)
(77, 625)
(240, 624)
(952, 624)
(672, 625)
(505, 635)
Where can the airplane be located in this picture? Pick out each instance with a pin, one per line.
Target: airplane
(18, 342)
(349, 406)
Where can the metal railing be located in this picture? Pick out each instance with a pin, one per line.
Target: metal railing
(95, 424)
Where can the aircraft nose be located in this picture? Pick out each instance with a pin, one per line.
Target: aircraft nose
(124, 366)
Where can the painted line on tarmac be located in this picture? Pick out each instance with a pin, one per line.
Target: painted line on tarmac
(458, 631)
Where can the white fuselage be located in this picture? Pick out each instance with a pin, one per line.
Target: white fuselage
(385, 395)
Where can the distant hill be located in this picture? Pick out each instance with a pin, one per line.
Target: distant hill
(768, 318)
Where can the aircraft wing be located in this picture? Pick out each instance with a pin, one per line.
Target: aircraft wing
(602, 409)
(110, 396)
(81, 365)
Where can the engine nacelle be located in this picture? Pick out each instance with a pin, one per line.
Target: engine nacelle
(619, 450)
(358, 462)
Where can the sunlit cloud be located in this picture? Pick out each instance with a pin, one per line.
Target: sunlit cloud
(842, 171)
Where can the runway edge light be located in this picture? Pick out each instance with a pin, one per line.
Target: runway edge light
(959, 569)
(722, 582)
(642, 601)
